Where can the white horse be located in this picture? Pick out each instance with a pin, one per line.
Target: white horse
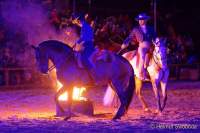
(158, 72)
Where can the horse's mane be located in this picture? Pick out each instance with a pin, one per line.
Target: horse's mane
(56, 45)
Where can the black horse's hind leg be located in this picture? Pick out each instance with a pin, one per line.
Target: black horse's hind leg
(129, 91)
(121, 111)
(121, 94)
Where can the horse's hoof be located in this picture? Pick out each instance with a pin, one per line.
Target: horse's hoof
(161, 109)
(158, 112)
(147, 110)
(67, 118)
(75, 114)
(116, 118)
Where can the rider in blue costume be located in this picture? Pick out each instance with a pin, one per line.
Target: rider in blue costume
(86, 39)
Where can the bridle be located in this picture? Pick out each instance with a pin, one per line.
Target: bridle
(51, 68)
(156, 53)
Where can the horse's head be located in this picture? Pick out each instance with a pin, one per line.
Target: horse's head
(160, 45)
(160, 42)
(41, 60)
(160, 51)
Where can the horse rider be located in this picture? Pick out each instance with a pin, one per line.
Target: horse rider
(85, 42)
(142, 35)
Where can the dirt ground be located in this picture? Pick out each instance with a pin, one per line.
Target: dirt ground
(33, 110)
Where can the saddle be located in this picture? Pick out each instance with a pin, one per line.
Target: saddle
(133, 58)
(97, 55)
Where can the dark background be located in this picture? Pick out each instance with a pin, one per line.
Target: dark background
(183, 15)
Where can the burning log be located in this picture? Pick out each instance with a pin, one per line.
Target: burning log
(80, 104)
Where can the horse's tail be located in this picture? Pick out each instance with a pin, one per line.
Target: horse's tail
(130, 90)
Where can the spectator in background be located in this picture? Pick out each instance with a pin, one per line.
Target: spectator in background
(55, 19)
(2, 36)
(6, 59)
(190, 50)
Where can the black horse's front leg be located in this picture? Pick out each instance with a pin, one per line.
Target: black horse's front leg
(67, 110)
(60, 92)
(69, 102)
(123, 99)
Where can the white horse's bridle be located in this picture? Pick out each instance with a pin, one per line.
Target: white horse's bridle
(158, 56)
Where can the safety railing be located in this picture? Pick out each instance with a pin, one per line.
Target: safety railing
(185, 71)
(25, 77)
(20, 77)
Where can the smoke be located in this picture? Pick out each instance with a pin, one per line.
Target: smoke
(30, 20)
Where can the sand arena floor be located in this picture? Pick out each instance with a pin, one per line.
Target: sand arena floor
(33, 109)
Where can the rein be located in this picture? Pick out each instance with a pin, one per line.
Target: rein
(51, 68)
(156, 59)
(157, 62)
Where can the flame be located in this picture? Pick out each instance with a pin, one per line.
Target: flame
(77, 93)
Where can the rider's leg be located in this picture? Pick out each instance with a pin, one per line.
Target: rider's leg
(146, 64)
(149, 54)
(147, 59)
(85, 54)
(141, 64)
(85, 60)
(143, 50)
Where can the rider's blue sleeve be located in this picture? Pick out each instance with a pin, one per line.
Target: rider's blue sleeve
(79, 41)
(129, 38)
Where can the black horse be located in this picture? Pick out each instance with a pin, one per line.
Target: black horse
(116, 72)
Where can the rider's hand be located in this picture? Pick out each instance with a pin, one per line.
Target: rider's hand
(123, 46)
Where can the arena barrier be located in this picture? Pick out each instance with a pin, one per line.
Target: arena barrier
(185, 71)
(29, 77)
(22, 77)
